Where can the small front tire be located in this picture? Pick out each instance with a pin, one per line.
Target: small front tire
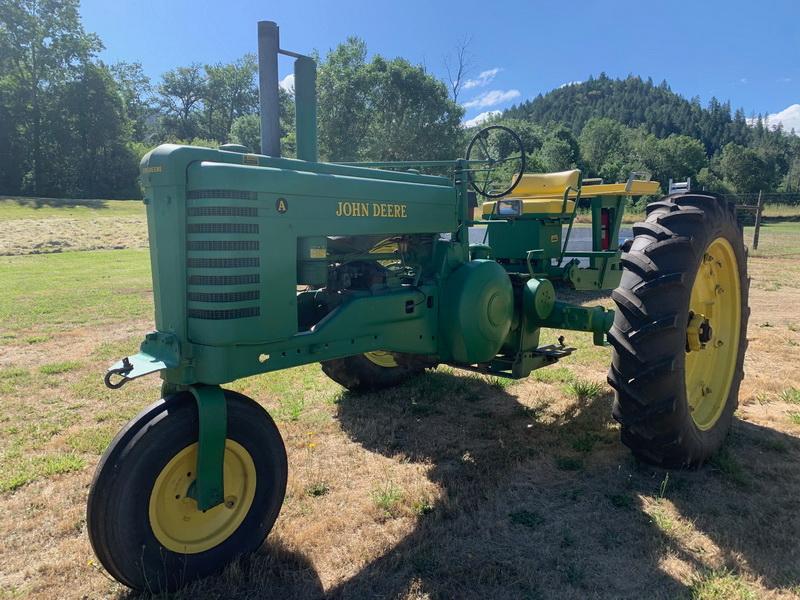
(145, 528)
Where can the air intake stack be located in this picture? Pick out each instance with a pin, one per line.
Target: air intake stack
(305, 93)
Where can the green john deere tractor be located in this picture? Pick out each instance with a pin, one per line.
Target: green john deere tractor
(263, 263)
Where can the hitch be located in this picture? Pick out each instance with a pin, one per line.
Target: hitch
(158, 351)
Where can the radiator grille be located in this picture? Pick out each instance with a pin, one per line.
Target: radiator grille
(220, 315)
(224, 279)
(224, 296)
(222, 211)
(221, 194)
(222, 245)
(221, 263)
(222, 228)
(219, 245)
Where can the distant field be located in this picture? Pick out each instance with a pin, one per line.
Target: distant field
(449, 486)
(31, 226)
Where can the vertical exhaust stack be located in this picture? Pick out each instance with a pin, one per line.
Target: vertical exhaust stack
(305, 113)
(268, 48)
(305, 92)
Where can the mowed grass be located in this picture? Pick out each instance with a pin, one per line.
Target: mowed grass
(12, 208)
(451, 485)
(32, 226)
(47, 293)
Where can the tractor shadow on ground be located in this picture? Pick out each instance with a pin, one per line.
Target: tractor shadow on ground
(272, 572)
(548, 504)
(541, 501)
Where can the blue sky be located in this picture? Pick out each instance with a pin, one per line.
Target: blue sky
(744, 51)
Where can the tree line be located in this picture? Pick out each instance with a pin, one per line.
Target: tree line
(73, 126)
(623, 125)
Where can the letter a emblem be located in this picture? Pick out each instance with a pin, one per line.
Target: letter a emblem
(281, 205)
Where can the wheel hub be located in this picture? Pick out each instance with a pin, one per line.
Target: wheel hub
(175, 519)
(381, 358)
(712, 333)
(698, 332)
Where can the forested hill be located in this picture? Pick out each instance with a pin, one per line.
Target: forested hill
(637, 103)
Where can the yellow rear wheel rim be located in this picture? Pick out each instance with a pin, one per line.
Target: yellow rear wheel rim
(381, 358)
(174, 517)
(709, 370)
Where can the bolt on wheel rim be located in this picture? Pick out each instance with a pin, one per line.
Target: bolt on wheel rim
(174, 517)
(381, 358)
(710, 366)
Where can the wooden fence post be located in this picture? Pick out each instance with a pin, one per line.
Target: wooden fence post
(759, 208)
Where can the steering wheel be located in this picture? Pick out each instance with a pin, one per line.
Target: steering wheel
(483, 178)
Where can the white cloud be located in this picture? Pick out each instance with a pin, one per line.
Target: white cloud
(563, 85)
(481, 118)
(484, 78)
(287, 83)
(789, 117)
(491, 98)
(743, 80)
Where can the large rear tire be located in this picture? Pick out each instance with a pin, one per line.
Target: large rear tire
(142, 522)
(373, 371)
(679, 334)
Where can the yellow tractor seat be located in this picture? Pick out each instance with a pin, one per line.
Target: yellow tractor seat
(544, 185)
(542, 193)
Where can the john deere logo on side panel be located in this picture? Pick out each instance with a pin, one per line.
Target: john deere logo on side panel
(281, 205)
(371, 209)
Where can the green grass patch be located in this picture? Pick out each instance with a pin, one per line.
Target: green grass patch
(47, 292)
(116, 349)
(790, 395)
(720, 585)
(387, 498)
(60, 367)
(662, 519)
(91, 439)
(553, 375)
(794, 417)
(726, 464)
(585, 390)
(23, 470)
(776, 239)
(317, 489)
(13, 378)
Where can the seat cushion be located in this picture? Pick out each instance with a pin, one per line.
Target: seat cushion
(537, 185)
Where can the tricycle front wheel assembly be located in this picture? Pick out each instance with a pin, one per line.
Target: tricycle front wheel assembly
(679, 332)
(143, 520)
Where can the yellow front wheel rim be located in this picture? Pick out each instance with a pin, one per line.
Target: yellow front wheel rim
(381, 358)
(174, 517)
(710, 365)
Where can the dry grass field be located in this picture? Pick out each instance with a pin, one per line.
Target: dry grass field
(450, 486)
